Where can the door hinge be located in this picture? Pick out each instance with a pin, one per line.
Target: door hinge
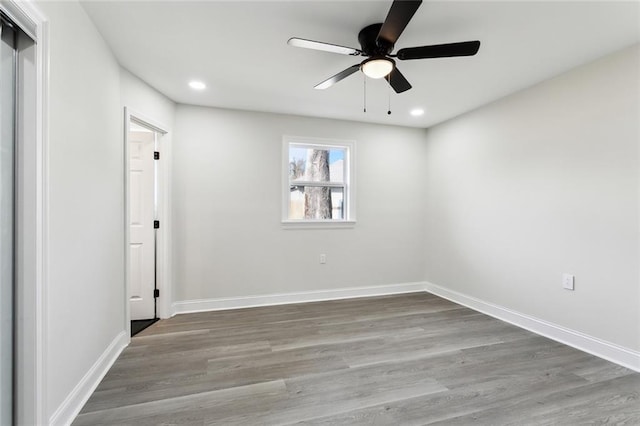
(156, 224)
(156, 293)
(156, 155)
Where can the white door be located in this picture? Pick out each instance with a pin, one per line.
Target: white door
(141, 217)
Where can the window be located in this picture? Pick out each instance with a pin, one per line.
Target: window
(318, 182)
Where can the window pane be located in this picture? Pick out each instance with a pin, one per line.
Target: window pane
(316, 164)
(337, 203)
(317, 202)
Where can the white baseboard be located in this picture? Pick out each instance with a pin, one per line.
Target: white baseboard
(73, 403)
(203, 305)
(598, 347)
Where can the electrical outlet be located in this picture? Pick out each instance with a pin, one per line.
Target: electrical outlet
(323, 258)
(568, 281)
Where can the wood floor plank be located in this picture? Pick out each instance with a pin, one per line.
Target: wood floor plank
(312, 396)
(583, 404)
(410, 359)
(220, 401)
(443, 407)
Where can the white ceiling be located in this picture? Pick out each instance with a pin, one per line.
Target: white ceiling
(239, 49)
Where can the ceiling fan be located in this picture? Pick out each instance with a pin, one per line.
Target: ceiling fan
(377, 42)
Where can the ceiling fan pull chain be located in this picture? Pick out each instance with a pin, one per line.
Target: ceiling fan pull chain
(365, 92)
(389, 93)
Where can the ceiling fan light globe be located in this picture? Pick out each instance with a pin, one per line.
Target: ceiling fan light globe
(377, 67)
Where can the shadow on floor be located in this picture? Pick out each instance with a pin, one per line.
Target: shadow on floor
(138, 325)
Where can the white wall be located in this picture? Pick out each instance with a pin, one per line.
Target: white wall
(227, 236)
(144, 99)
(85, 255)
(540, 183)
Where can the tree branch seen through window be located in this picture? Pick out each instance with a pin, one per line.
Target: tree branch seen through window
(317, 199)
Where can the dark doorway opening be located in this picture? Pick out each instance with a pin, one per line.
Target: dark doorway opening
(138, 325)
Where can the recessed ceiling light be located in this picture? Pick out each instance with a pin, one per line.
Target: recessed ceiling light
(197, 85)
(416, 112)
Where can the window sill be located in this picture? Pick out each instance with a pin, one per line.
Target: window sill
(318, 224)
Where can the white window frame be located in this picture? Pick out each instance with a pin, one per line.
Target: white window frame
(349, 219)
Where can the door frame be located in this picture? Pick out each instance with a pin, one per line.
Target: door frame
(32, 217)
(163, 235)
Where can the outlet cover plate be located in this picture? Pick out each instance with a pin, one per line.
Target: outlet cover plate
(568, 281)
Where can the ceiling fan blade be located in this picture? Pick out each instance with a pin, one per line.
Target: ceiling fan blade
(465, 48)
(327, 47)
(336, 78)
(397, 19)
(397, 81)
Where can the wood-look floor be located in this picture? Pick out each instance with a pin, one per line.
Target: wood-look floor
(410, 359)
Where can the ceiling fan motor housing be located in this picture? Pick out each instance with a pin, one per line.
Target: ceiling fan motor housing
(369, 44)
